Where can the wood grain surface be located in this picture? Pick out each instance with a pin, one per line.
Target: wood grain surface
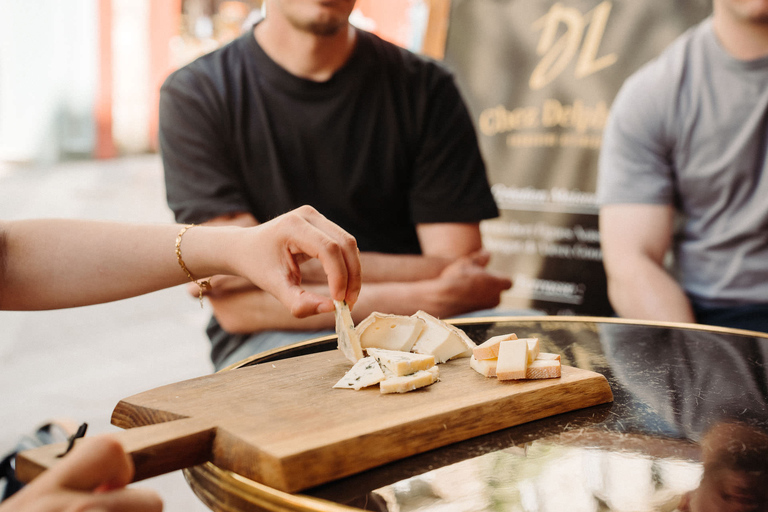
(282, 423)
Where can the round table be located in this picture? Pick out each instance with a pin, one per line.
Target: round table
(688, 427)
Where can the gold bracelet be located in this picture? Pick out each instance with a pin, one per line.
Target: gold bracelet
(203, 284)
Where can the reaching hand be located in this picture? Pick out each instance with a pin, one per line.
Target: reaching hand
(287, 241)
(90, 478)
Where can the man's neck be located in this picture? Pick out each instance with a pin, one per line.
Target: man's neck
(304, 54)
(744, 40)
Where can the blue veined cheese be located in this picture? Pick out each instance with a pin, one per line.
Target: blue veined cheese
(410, 382)
(396, 363)
(390, 332)
(366, 372)
(349, 342)
(442, 340)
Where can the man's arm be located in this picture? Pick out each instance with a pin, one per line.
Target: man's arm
(635, 239)
(448, 279)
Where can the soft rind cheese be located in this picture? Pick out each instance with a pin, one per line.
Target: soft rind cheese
(349, 342)
(398, 363)
(485, 367)
(390, 332)
(442, 340)
(543, 369)
(366, 372)
(489, 349)
(513, 360)
(407, 383)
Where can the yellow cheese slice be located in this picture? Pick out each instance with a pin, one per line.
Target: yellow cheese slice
(348, 343)
(513, 360)
(390, 332)
(485, 367)
(548, 356)
(407, 383)
(489, 349)
(543, 369)
(397, 363)
(533, 348)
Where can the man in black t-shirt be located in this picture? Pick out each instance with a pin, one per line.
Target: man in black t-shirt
(306, 109)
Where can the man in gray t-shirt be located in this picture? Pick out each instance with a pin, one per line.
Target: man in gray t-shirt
(686, 141)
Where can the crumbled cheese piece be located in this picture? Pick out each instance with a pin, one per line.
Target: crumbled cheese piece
(349, 342)
(489, 349)
(485, 367)
(366, 372)
(513, 359)
(396, 363)
(442, 340)
(409, 382)
(390, 332)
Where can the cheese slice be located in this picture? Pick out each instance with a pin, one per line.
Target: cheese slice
(533, 348)
(489, 349)
(543, 369)
(442, 340)
(485, 367)
(548, 356)
(366, 372)
(349, 342)
(513, 360)
(390, 332)
(407, 383)
(396, 363)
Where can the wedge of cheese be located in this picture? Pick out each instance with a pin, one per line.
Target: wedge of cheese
(533, 348)
(485, 367)
(407, 383)
(543, 369)
(442, 340)
(396, 363)
(366, 372)
(513, 360)
(390, 332)
(349, 342)
(489, 349)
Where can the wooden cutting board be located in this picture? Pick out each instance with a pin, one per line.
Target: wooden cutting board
(282, 423)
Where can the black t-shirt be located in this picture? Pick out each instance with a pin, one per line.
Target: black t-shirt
(385, 144)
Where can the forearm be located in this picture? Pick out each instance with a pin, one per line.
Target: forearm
(255, 310)
(65, 263)
(644, 290)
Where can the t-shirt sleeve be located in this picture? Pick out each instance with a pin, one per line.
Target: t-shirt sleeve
(635, 159)
(450, 182)
(200, 175)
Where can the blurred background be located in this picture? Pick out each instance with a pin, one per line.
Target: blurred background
(80, 79)
(79, 87)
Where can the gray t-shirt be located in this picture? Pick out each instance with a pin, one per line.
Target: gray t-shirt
(689, 129)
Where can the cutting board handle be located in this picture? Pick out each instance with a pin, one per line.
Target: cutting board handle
(156, 449)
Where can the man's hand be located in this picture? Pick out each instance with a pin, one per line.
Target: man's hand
(466, 285)
(90, 478)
